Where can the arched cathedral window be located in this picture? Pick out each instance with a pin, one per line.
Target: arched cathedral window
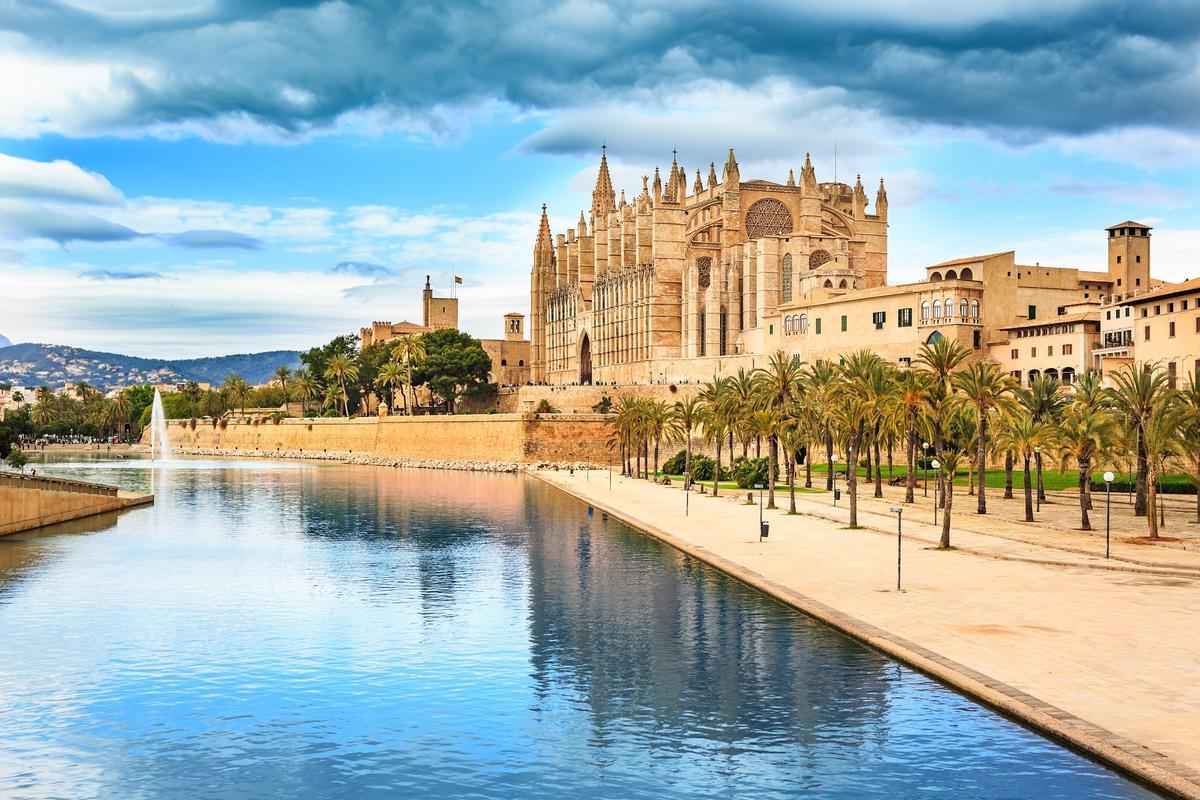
(704, 272)
(786, 278)
(818, 258)
(767, 217)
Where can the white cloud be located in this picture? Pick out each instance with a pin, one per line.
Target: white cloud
(1148, 148)
(53, 180)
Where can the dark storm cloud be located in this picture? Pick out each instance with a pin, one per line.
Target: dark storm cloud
(1024, 70)
(211, 239)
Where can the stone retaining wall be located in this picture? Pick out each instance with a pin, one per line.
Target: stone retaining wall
(27, 502)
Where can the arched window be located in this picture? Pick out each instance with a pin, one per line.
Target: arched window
(1052, 373)
(521, 363)
(937, 309)
(1068, 375)
(724, 337)
(966, 274)
(949, 307)
(963, 307)
(935, 276)
(925, 310)
(504, 362)
(828, 284)
(786, 279)
(818, 258)
(951, 275)
(803, 323)
(975, 309)
(842, 285)
(936, 336)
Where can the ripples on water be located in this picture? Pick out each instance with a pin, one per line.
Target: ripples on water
(279, 631)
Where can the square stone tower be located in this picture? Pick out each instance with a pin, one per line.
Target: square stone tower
(439, 312)
(1129, 257)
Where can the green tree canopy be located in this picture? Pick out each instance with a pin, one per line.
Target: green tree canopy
(455, 363)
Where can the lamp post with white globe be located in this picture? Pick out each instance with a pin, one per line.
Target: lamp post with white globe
(1108, 479)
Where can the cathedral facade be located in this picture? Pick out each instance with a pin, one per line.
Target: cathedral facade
(687, 280)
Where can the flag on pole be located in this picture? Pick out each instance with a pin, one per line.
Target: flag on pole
(457, 279)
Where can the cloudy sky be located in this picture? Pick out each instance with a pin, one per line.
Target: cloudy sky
(214, 176)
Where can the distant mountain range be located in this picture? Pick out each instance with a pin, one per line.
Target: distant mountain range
(33, 365)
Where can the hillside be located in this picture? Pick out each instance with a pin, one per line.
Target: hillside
(33, 365)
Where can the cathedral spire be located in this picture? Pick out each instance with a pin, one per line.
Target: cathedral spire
(603, 196)
(731, 174)
(712, 174)
(698, 186)
(881, 202)
(581, 229)
(808, 175)
(543, 248)
(658, 193)
(791, 178)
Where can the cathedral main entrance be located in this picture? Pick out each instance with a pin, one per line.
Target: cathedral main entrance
(585, 361)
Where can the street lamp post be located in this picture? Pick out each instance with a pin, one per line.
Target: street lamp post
(937, 481)
(1108, 479)
(925, 466)
(760, 487)
(899, 512)
(687, 493)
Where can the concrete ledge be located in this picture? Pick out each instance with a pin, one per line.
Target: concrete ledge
(1137, 762)
(34, 502)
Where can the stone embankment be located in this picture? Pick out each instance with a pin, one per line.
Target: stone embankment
(368, 459)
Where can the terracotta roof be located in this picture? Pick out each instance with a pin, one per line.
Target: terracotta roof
(1167, 290)
(971, 259)
(1128, 224)
(1079, 316)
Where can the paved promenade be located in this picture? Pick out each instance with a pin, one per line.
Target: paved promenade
(1103, 654)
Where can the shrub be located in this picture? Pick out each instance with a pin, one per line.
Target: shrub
(674, 464)
(703, 468)
(544, 407)
(604, 406)
(1171, 484)
(749, 471)
(17, 459)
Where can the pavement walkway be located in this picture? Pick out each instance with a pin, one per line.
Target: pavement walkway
(1101, 654)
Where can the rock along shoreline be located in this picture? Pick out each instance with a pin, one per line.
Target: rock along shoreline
(368, 459)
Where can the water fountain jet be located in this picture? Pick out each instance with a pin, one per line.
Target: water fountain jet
(160, 447)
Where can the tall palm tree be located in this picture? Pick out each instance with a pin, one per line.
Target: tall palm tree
(238, 391)
(989, 391)
(717, 417)
(776, 387)
(122, 409)
(281, 378)
(951, 460)
(662, 424)
(1025, 436)
(391, 375)
(1136, 392)
(765, 423)
(942, 358)
(909, 407)
(855, 405)
(1086, 435)
(821, 381)
(1190, 433)
(1043, 401)
(741, 398)
(305, 386)
(343, 370)
(409, 350)
(1161, 430)
(689, 414)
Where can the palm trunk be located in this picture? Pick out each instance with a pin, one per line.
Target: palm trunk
(829, 460)
(772, 468)
(852, 474)
(910, 453)
(945, 540)
(656, 458)
(1028, 493)
(878, 467)
(1084, 468)
(1139, 503)
(1041, 487)
(808, 477)
(1008, 470)
(981, 464)
(791, 465)
(717, 467)
(1152, 497)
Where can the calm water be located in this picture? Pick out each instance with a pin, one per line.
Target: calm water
(285, 631)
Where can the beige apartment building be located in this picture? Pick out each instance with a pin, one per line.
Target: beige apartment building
(1060, 347)
(1161, 326)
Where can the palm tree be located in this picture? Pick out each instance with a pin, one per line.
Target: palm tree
(304, 385)
(1190, 396)
(281, 378)
(741, 398)
(1025, 437)
(988, 391)
(717, 417)
(1043, 401)
(391, 375)
(942, 358)
(409, 350)
(1085, 435)
(1160, 437)
(855, 405)
(775, 389)
(909, 407)
(821, 380)
(122, 408)
(688, 415)
(765, 423)
(238, 391)
(342, 369)
(661, 425)
(1136, 392)
(951, 459)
